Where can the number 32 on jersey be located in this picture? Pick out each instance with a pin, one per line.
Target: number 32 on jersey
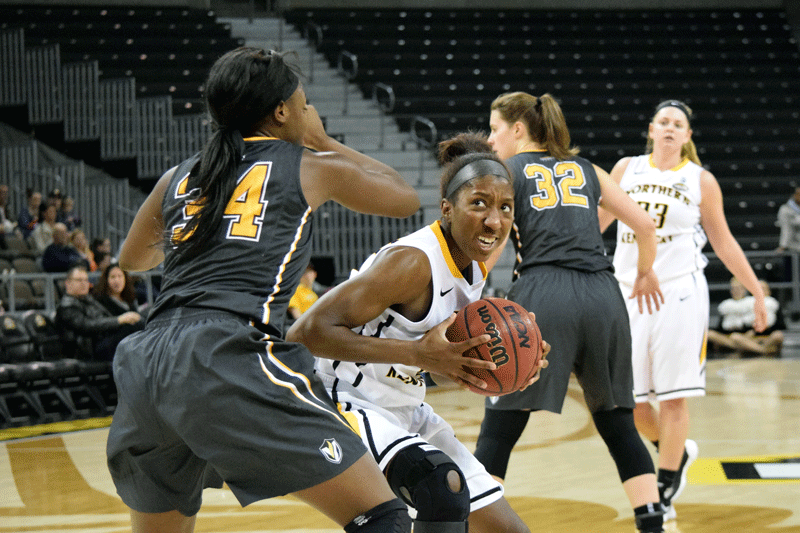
(557, 186)
(245, 209)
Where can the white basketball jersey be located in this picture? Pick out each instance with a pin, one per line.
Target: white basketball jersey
(392, 385)
(672, 197)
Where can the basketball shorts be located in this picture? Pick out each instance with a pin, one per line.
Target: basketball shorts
(669, 346)
(386, 432)
(203, 399)
(583, 318)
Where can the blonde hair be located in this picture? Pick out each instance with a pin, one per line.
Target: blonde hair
(542, 116)
(688, 150)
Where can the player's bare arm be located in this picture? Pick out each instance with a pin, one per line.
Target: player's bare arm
(399, 278)
(727, 248)
(618, 204)
(142, 249)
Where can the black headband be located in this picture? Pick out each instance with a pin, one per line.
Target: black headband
(481, 167)
(290, 86)
(677, 104)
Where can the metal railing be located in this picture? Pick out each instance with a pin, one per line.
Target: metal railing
(338, 238)
(313, 33)
(50, 289)
(426, 142)
(347, 65)
(383, 96)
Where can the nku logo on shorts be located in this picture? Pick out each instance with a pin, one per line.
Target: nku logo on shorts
(331, 451)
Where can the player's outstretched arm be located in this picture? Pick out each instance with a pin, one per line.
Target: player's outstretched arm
(399, 279)
(355, 180)
(143, 247)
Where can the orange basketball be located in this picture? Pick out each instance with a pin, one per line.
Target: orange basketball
(515, 346)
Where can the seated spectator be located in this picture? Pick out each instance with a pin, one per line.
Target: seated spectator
(29, 215)
(88, 330)
(68, 216)
(115, 291)
(304, 296)
(60, 256)
(42, 234)
(78, 240)
(736, 323)
(6, 225)
(56, 198)
(102, 260)
(101, 244)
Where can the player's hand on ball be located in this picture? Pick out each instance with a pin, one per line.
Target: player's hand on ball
(543, 363)
(439, 356)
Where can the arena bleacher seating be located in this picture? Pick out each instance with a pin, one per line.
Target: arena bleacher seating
(167, 49)
(738, 70)
(38, 384)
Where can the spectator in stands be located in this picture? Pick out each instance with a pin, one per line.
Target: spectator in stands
(67, 215)
(6, 225)
(304, 295)
(89, 330)
(736, 323)
(78, 240)
(59, 256)
(115, 291)
(789, 223)
(101, 244)
(29, 215)
(102, 260)
(42, 235)
(56, 198)
(685, 200)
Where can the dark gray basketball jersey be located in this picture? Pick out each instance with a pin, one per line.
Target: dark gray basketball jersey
(255, 262)
(555, 213)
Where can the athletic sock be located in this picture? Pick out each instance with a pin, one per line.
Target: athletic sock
(649, 518)
(665, 479)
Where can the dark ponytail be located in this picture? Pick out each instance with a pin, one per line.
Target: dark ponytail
(244, 87)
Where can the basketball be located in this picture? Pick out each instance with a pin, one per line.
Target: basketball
(515, 348)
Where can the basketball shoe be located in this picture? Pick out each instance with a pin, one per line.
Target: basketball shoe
(671, 492)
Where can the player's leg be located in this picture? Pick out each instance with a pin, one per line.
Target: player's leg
(646, 419)
(500, 431)
(606, 376)
(359, 499)
(678, 352)
(169, 522)
(433, 484)
(673, 430)
(634, 465)
(497, 516)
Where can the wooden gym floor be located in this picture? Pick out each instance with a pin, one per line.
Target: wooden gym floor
(561, 478)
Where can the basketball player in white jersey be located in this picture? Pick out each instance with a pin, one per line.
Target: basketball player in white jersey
(669, 346)
(387, 323)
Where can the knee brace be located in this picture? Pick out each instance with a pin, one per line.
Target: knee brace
(618, 431)
(388, 517)
(500, 431)
(420, 478)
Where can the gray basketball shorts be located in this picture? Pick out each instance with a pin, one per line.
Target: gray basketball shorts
(204, 398)
(584, 318)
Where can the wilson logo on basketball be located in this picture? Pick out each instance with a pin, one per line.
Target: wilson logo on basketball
(519, 325)
(496, 349)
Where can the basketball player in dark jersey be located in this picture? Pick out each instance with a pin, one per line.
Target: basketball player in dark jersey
(209, 391)
(563, 276)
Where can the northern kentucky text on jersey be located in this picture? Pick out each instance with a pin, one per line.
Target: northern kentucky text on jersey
(630, 238)
(659, 189)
